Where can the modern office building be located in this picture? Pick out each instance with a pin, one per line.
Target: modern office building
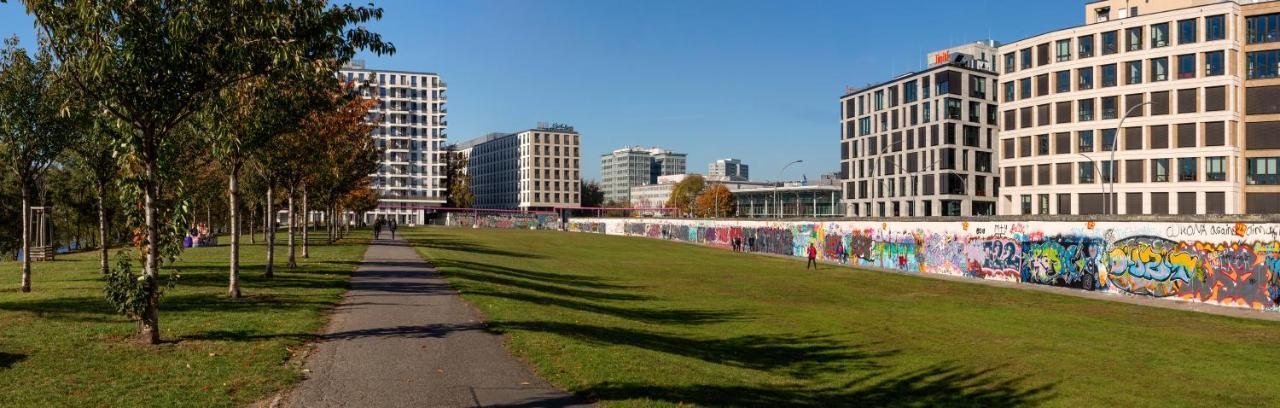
(535, 169)
(411, 124)
(729, 170)
(1151, 107)
(923, 144)
(634, 166)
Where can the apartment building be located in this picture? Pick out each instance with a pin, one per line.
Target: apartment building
(923, 144)
(535, 169)
(1139, 111)
(1260, 61)
(629, 167)
(411, 130)
(729, 170)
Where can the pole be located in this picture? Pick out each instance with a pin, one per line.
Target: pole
(775, 186)
(1114, 142)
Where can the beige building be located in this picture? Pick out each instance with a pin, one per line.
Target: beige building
(535, 169)
(1142, 110)
(923, 144)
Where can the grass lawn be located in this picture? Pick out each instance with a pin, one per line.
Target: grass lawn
(643, 322)
(62, 345)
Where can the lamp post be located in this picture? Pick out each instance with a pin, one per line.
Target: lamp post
(1115, 141)
(775, 186)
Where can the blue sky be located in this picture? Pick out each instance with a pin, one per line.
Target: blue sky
(755, 80)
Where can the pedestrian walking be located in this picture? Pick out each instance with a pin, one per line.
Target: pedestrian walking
(813, 258)
(393, 228)
(377, 229)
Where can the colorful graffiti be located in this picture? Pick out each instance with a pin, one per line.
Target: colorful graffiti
(503, 221)
(1206, 263)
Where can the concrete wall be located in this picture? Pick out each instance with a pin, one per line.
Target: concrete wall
(1226, 263)
(502, 220)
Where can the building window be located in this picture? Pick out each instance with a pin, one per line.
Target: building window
(1263, 64)
(1084, 76)
(1110, 43)
(952, 109)
(1108, 75)
(924, 86)
(1134, 69)
(1063, 50)
(1084, 142)
(1262, 29)
(1026, 204)
(1159, 69)
(1108, 171)
(879, 100)
(1187, 31)
(1263, 171)
(1026, 58)
(1085, 175)
(928, 112)
(1134, 39)
(1213, 63)
(1086, 109)
(1025, 84)
(1159, 170)
(1215, 168)
(1109, 107)
(1159, 35)
(1063, 79)
(1108, 140)
(1186, 66)
(909, 92)
(977, 87)
(1010, 63)
(1042, 145)
(1085, 46)
(1215, 28)
(1187, 169)
(1010, 91)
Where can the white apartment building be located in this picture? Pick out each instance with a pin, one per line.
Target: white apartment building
(535, 169)
(729, 169)
(634, 166)
(1139, 111)
(410, 118)
(923, 144)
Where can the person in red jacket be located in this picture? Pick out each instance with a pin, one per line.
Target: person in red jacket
(813, 258)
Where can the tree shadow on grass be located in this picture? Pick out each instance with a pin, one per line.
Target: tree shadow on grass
(798, 356)
(9, 359)
(647, 315)
(548, 277)
(500, 278)
(452, 244)
(942, 384)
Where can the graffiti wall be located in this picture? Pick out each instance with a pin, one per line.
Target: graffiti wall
(1234, 265)
(504, 220)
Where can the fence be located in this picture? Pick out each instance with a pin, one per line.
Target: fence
(1223, 263)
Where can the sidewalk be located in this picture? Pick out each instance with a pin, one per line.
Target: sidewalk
(402, 337)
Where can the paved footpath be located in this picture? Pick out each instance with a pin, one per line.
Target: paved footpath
(402, 337)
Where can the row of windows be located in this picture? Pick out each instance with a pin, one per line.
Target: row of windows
(1263, 64)
(554, 138)
(946, 135)
(950, 208)
(922, 186)
(946, 83)
(1110, 75)
(1123, 171)
(1262, 29)
(549, 174)
(1186, 135)
(1093, 203)
(394, 79)
(923, 113)
(908, 163)
(1135, 39)
(1109, 107)
(547, 162)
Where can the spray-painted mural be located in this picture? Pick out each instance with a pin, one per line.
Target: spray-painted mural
(1232, 265)
(504, 220)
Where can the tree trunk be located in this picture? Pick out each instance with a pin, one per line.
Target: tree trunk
(293, 216)
(233, 207)
(270, 232)
(253, 224)
(102, 229)
(151, 313)
(26, 237)
(306, 225)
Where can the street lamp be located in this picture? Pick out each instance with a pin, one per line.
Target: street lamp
(1114, 142)
(775, 186)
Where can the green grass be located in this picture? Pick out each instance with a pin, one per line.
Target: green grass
(642, 322)
(62, 345)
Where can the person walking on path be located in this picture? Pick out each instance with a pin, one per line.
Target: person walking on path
(393, 228)
(813, 258)
(377, 228)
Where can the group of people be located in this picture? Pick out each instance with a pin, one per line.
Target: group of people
(740, 246)
(384, 223)
(199, 235)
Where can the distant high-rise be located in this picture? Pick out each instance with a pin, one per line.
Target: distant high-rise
(535, 169)
(410, 129)
(634, 166)
(729, 170)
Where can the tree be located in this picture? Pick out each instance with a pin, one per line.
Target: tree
(592, 194)
(151, 65)
(457, 183)
(460, 195)
(348, 155)
(716, 201)
(95, 158)
(684, 194)
(33, 132)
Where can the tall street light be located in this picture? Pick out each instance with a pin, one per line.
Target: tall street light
(775, 186)
(1114, 142)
